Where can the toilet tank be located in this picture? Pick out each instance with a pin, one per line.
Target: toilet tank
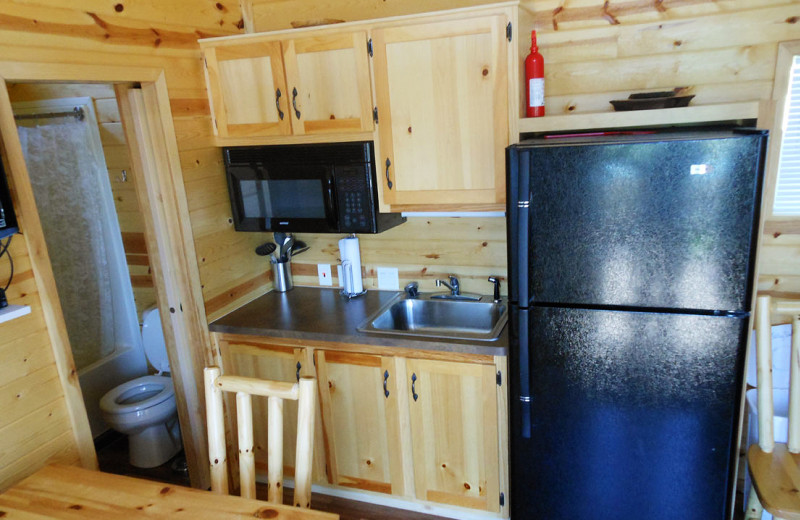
(155, 348)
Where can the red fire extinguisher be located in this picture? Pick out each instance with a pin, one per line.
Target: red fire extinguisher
(534, 80)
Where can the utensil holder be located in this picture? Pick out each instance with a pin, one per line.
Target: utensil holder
(282, 276)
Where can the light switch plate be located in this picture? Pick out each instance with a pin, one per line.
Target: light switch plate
(324, 272)
(388, 278)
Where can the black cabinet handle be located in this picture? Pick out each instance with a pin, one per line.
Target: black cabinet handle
(385, 379)
(278, 103)
(388, 180)
(413, 386)
(299, 366)
(294, 102)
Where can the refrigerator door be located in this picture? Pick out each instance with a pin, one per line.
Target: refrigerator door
(633, 415)
(664, 224)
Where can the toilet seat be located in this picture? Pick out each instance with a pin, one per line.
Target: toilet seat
(137, 395)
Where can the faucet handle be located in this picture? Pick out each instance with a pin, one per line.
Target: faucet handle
(496, 281)
(412, 289)
(455, 288)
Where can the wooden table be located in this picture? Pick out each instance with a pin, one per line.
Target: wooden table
(76, 493)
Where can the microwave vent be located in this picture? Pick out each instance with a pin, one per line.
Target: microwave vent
(336, 153)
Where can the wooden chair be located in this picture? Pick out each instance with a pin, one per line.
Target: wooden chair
(774, 467)
(246, 387)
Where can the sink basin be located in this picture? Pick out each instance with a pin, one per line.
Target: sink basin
(437, 318)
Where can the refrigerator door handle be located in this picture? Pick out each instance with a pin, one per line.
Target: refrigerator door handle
(524, 375)
(523, 207)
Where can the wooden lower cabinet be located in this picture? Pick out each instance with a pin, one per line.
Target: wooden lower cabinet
(358, 394)
(454, 430)
(416, 428)
(278, 363)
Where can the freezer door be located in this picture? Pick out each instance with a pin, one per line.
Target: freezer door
(665, 225)
(633, 415)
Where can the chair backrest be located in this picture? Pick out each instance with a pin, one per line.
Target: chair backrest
(303, 391)
(766, 308)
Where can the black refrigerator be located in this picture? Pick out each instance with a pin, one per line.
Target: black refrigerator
(631, 266)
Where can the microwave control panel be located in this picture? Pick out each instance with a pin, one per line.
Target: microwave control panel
(353, 198)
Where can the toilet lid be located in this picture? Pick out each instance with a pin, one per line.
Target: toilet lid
(153, 340)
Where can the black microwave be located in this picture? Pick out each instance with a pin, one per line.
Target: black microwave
(8, 221)
(318, 188)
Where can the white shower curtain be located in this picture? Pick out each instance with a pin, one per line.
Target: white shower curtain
(69, 177)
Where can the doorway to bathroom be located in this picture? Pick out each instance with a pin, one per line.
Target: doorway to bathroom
(76, 155)
(144, 103)
(78, 163)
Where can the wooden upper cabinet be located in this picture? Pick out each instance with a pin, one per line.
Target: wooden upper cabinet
(442, 92)
(454, 430)
(247, 89)
(263, 86)
(329, 83)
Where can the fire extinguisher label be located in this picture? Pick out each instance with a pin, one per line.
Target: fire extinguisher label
(536, 86)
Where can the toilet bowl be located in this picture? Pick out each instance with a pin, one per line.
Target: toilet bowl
(144, 408)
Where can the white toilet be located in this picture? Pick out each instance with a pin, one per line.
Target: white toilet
(144, 408)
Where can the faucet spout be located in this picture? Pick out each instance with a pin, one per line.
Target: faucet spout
(455, 288)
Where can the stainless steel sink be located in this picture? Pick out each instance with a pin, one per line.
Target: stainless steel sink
(426, 317)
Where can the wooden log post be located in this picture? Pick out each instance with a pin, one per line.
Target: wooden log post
(275, 450)
(247, 461)
(766, 439)
(215, 421)
(305, 442)
(794, 389)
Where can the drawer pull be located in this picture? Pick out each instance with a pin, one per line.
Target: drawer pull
(385, 379)
(413, 386)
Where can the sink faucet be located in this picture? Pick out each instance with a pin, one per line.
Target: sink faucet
(455, 289)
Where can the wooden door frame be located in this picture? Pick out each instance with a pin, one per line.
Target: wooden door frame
(169, 240)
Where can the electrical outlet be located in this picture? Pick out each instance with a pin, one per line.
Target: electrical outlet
(388, 278)
(324, 272)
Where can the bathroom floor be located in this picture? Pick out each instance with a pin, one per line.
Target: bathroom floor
(112, 456)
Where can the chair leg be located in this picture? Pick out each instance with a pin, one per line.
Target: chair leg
(754, 509)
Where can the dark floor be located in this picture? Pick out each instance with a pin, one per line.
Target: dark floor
(112, 455)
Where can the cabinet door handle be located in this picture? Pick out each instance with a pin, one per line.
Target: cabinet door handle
(297, 375)
(388, 180)
(413, 386)
(278, 103)
(385, 380)
(294, 102)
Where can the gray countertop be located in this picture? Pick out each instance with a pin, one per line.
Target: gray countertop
(324, 315)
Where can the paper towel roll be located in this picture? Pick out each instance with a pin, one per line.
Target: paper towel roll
(351, 265)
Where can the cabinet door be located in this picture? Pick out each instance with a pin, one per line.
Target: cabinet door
(329, 83)
(454, 433)
(442, 95)
(247, 89)
(359, 395)
(279, 364)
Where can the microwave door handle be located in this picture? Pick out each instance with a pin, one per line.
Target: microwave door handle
(330, 201)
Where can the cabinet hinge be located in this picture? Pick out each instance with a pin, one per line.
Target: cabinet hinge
(502, 499)
(369, 47)
(375, 115)
(508, 31)
(499, 378)
(215, 123)
(205, 62)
